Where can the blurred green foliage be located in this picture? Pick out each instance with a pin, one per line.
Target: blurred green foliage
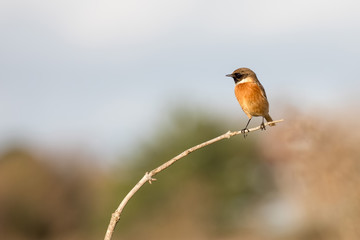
(206, 191)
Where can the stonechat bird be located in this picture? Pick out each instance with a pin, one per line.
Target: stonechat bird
(251, 96)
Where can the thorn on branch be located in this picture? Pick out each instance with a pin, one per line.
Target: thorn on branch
(228, 134)
(149, 178)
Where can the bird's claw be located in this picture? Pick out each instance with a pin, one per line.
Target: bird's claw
(245, 132)
(262, 126)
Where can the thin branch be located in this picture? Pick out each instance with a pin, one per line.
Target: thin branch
(148, 177)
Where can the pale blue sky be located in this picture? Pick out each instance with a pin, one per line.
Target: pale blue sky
(98, 74)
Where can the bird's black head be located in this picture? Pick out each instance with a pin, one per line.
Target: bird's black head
(241, 73)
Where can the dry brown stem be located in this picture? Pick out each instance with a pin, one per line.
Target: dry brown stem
(148, 177)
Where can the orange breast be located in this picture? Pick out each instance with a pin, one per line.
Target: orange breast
(252, 99)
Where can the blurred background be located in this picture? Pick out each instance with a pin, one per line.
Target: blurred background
(95, 93)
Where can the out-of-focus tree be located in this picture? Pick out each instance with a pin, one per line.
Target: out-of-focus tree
(37, 202)
(317, 171)
(203, 196)
(205, 193)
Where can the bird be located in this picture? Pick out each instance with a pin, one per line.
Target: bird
(251, 96)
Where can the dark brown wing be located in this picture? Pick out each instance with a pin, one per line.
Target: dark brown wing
(262, 89)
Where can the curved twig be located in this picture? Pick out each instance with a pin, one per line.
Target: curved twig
(148, 177)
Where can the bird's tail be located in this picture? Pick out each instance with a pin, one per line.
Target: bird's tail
(269, 119)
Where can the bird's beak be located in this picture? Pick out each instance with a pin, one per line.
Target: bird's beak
(229, 75)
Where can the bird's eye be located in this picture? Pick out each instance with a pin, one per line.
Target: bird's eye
(237, 75)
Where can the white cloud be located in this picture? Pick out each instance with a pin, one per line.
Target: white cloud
(99, 23)
(269, 18)
(112, 21)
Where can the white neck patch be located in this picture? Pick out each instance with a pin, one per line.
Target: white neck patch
(245, 80)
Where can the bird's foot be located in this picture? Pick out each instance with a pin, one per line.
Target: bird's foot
(262, 126)
(245, 132)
